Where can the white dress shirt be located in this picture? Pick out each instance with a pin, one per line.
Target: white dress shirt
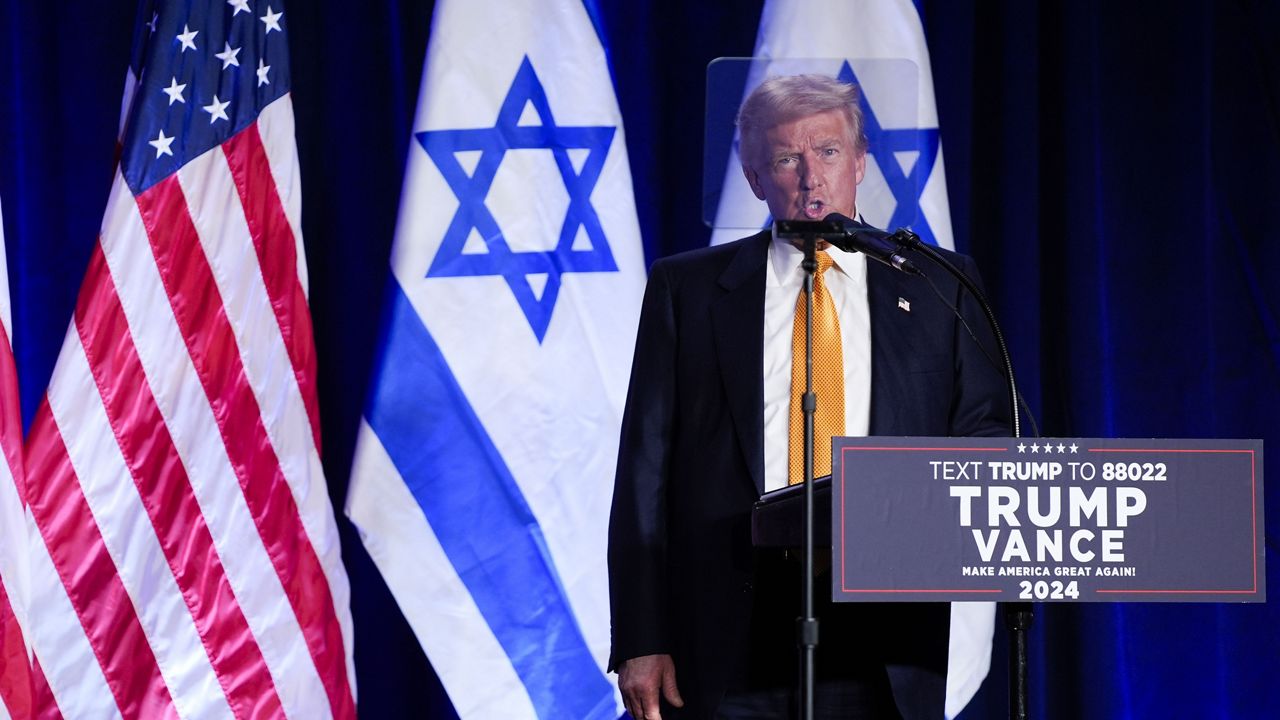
(784, 280)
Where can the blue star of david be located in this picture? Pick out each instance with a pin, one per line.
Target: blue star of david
(507, 134)
(906, 188)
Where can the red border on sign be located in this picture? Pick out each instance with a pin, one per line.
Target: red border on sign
(1253, 500)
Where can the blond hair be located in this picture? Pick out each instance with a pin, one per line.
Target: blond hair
(784, 98)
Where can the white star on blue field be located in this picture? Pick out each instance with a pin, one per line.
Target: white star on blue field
(493, 143)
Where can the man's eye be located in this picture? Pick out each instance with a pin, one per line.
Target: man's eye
(830, 152)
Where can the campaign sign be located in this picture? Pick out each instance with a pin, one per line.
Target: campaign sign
(1083, 520)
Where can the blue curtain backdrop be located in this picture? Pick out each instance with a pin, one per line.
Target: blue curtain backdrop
(1114, 167)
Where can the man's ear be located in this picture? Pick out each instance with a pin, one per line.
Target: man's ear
(754, 181)
(860, 168)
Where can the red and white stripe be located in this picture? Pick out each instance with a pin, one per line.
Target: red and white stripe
(16, 688)
(180, 494)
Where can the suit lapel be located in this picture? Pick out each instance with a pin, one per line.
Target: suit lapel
(892, 329)
(738, 322)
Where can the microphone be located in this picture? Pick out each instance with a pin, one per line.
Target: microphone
(877, 244)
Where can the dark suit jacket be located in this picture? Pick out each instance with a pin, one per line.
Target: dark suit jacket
(691, 458)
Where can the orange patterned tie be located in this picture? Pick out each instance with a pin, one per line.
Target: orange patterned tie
(828, 379)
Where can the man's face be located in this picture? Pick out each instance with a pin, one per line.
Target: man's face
(808, 168)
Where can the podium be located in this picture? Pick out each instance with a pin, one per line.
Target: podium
(1018, 520)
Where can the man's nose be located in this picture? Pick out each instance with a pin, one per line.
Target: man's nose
(811, 175)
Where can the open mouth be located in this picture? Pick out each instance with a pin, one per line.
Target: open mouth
(815, 209)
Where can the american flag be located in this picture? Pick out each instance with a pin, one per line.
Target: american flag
(190, 564)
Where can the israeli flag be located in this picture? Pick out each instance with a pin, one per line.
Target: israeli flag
(880, 45)
(483, 474)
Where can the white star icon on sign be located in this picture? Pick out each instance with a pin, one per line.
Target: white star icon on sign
(174, 91)
(1074, 447)
(161, 144)
(1048, 447)
(188, 38)
(239, 5)
(1022, 447)
(262, 73)
(217, 110)
(1035, 448)
(1061, 448)
(228, 57)
(272, 20)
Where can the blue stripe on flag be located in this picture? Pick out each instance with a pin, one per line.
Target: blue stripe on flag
(593, 12)
(476, 510)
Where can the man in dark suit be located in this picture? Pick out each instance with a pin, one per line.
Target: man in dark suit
(708, 426)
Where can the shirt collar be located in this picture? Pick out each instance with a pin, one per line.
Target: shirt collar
(785, 258)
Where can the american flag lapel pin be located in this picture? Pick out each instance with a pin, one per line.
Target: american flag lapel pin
(904, 305)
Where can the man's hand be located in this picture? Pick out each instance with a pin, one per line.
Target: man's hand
(639, 680)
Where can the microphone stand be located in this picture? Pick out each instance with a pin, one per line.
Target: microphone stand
(1017, 616)
(807, 624)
